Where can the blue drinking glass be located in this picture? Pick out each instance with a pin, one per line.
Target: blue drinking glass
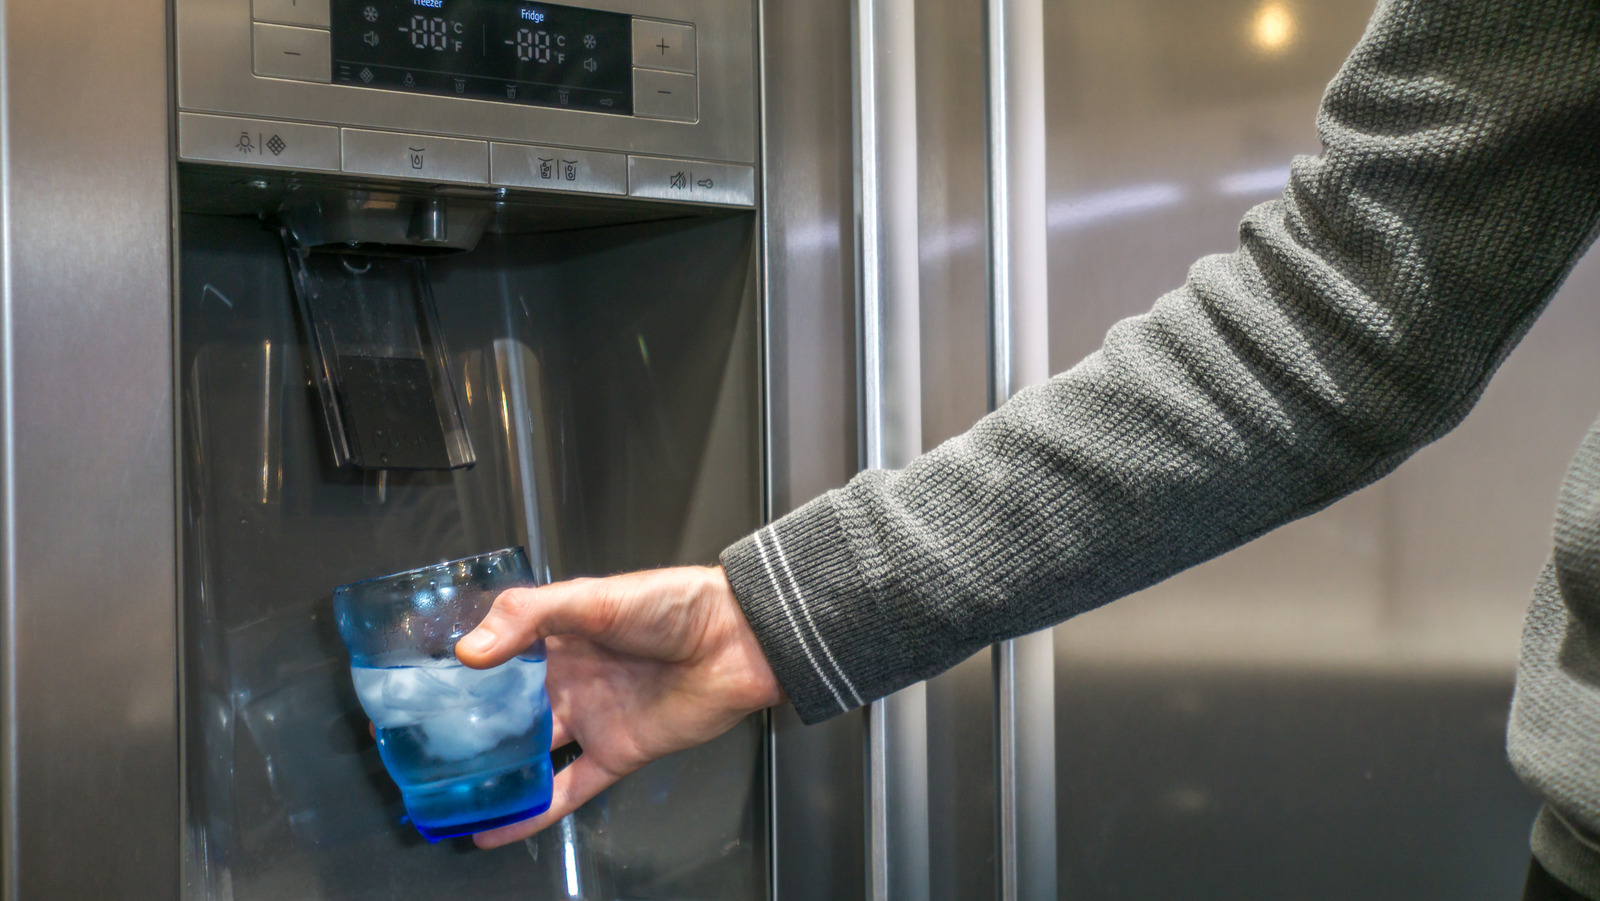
(470, 749)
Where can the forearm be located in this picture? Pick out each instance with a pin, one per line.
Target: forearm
(1360, 319)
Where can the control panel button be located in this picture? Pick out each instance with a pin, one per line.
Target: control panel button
(282, 51)
(291, 12)
(663, 45)
(524, 166)
(415, 156)
(665, 95)
(257, 142)
(721, 183)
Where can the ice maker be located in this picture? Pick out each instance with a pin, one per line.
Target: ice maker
(453, 276)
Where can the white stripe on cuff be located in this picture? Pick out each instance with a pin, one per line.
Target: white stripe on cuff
(789, 614)
(800, 601)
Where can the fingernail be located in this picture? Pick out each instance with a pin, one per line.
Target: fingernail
(478, 641)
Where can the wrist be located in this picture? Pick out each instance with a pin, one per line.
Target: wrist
(762, 689)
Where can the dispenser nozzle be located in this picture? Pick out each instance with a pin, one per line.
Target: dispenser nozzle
(429, 223)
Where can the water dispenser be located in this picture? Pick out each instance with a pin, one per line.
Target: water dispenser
(454, 275)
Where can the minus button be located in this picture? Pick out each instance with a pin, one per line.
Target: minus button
(665, 95)
(286, 51)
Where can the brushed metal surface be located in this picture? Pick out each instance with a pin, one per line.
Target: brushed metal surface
(258, 142)
(897, 794)
(286, 51)
(1025, 816)
(558, 169)
(808, 237)
(313, 13)
(89, 771)
(1319, 714)
(886, 204)
(952, 204)
(665, 95)
(690, 181)
(1025, 754)
(425, 157)
(214, 76)
(664, 45)
(891, 361)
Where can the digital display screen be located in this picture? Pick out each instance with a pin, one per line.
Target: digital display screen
(505, 50)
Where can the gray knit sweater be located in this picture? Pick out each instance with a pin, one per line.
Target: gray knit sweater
(1360, 319)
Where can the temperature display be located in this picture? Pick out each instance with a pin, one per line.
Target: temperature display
(502, 50)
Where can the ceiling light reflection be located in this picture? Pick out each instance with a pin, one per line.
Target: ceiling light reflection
(1085, 209)
(1257, 181)
(1273, 28)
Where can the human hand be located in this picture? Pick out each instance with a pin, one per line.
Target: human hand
(640, 666)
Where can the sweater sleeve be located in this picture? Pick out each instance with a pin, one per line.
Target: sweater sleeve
(1360, 319)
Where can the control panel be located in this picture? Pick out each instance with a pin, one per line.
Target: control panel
(646, 98)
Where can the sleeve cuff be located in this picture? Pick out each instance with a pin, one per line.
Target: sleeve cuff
(803, 592)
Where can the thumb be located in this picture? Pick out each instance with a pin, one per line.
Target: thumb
(520, 617)
(511, 626)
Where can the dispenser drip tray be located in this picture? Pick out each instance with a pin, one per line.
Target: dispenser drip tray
(382, 372)
(391, 414)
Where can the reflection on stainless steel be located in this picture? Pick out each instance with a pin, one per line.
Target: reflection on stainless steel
(567, 858)
(810, 347)
(1298, 711)
(953, 315)
(1114, 203)
(1019, 357)
(271, 465)
(526, 427)
(88, 640)
(891, 338)
(1260, 183)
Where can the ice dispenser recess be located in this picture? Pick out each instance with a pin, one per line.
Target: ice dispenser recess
(608, 375)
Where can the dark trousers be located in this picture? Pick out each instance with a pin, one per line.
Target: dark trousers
(1541, 886)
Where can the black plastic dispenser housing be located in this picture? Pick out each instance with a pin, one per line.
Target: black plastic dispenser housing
(380, 365)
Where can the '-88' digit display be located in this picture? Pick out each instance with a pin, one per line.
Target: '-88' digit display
(512, 52)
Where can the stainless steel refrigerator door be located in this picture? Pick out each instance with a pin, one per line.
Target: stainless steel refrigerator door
(88, 639)
(809, 227)
(1319, 714)
(952, 167)
(921, 72)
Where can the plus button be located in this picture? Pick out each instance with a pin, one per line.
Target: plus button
(663, 46)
